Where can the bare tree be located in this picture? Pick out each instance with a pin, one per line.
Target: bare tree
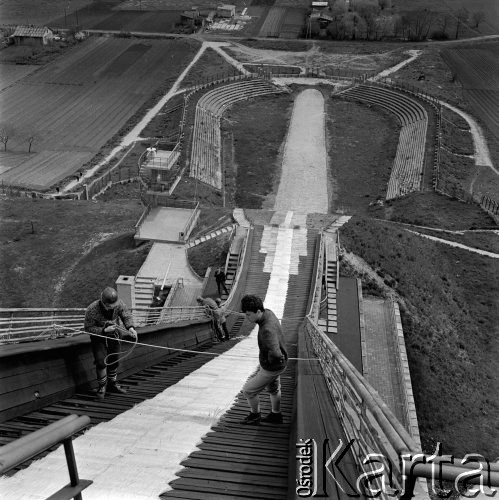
(6, 132)
(462, 16)
(477, 17)
(420, 24)
(31, 135)
(442, 22)
(368, 11)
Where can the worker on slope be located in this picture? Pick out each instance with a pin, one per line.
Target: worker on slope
(273, 359)
(221, 315)
(102, 320)
(210, 308)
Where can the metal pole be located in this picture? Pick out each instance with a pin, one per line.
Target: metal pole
(73, 470)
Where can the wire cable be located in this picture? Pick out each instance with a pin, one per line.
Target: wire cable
(135, 343)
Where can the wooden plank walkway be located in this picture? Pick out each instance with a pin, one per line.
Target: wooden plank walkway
(237, 461)
(141, 386)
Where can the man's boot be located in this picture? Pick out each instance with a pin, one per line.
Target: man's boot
(114, 386)
(101, 392)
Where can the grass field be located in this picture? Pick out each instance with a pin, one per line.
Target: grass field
(77, 103)
(450, 318)
(64, 262)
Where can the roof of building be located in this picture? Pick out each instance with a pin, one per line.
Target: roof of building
(32, 31)
(226, 7)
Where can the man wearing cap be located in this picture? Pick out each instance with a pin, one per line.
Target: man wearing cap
(210, 307)
(102, 319)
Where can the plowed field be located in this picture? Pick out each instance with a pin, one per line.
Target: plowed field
(80, 101)
(478, 71)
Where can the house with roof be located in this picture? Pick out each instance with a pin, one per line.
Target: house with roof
(226, 11)
(32, 35)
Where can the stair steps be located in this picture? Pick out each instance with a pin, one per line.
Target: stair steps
(144, 291)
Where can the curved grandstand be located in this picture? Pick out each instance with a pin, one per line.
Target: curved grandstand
(206, 143)
(407, 170)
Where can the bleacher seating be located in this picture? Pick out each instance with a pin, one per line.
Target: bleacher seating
(205, 164)
(407, 170)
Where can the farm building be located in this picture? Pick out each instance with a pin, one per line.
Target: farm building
(190, 17)
(32, 35)
(319, 5)
(226, 11)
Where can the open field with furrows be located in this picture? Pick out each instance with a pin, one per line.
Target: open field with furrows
(163, 21)
(281, 22)
(477, 69)
(78, 102)
(175, 4)
(22, 11)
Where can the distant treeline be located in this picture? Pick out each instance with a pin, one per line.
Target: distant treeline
(380, 19)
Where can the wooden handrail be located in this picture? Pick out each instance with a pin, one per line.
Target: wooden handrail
(27, 447)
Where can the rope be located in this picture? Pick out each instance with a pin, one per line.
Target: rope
(230, 312)
(207, 353)
(119, 339)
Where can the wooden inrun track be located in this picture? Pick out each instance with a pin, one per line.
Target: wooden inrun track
(233, 461)
(236, 461)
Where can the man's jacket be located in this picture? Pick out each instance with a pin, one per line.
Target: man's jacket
(97, 317)
(273, 354)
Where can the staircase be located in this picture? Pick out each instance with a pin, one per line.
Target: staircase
(144, 291)
(217, 232)
(329, 325)
(230, 273)
(240, 218)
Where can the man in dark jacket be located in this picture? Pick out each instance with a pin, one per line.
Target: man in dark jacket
(273, 358)
(220, 279)
(102, 318)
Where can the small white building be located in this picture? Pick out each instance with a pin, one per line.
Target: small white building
(316, 5)
(226, 10)
(32, 35)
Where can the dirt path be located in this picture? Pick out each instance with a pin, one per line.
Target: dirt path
(303, 184)
(482, 155)
(134, 134)
(457, 245)
(414, 54)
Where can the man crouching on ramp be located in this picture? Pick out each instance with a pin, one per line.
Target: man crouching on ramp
(273, 359)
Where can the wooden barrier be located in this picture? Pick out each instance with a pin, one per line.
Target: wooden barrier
(36, 374)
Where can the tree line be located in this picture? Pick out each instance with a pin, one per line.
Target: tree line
(379, 19)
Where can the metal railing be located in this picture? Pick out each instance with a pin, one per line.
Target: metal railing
(371, 426)
(27, 447)
(41, 323)
(148, 316)
(25, 325)
(366, 419)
